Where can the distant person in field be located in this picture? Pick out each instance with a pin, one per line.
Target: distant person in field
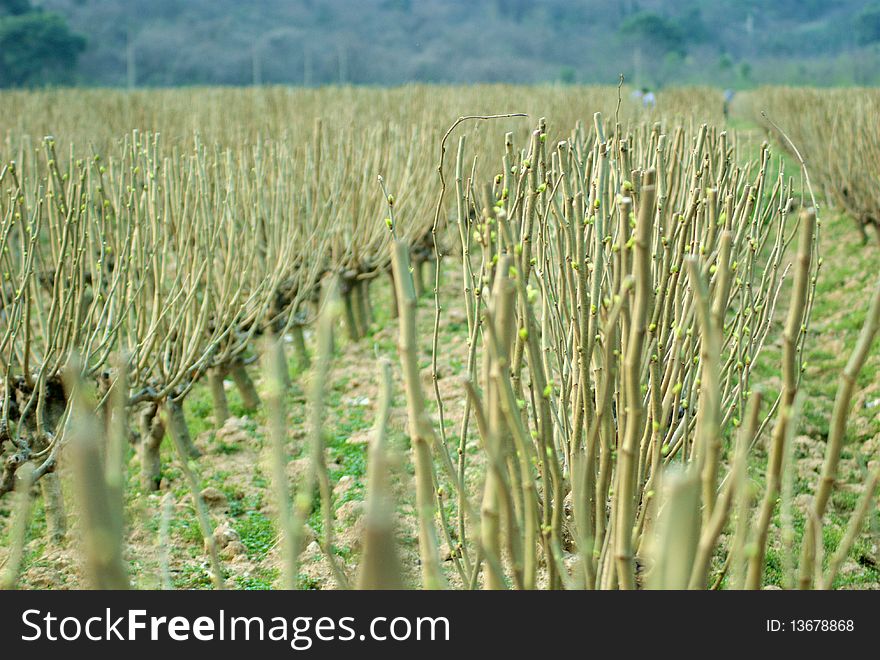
(649, 101)
(728, 98)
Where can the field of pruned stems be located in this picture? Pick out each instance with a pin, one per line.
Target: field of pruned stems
(837, 134)
(488, 337)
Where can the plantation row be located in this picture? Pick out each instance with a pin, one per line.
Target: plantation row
(620, 284)
(836, 133)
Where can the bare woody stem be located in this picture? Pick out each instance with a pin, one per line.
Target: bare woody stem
(842, 402)
(380, 566)
(421, 430)
(632, 368)
(789, 390)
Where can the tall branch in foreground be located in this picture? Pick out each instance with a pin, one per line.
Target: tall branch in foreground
(421, 430)
(836, 436)
(790, 373)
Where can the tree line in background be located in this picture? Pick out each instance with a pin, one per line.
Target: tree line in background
(36, 47)
(735, 43)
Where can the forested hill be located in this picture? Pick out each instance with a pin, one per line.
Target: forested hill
(655, 42)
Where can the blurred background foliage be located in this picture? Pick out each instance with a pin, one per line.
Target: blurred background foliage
(730, 43)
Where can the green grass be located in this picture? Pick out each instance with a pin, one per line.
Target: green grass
(848, 272)
(186, 527)
(192, 576)
(257, 533)
(307, 582)
(262, 579)
(848, 265)
(847, 275)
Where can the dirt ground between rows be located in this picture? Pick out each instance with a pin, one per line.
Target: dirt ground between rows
(234, 471)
